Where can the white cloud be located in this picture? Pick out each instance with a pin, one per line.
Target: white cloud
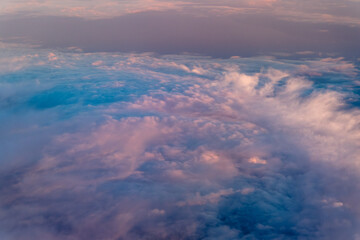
(235, 150)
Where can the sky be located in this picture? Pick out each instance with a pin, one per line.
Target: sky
(210, 28)
(154, 119)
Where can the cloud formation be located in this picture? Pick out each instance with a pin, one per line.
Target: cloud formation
(86, 9)
(178, 32)
(137, 146)
(325, 11)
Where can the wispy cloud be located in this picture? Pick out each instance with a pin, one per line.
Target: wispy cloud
(324, 11)
(87, 9)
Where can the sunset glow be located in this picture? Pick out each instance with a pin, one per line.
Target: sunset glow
(156, 119)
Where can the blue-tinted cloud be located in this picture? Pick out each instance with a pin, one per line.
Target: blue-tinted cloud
(137, 146)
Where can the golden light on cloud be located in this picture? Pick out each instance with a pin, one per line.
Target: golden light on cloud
(257, 160)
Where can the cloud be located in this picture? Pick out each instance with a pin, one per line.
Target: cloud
(323, 11)
(89, 9)
(52, 57)
(138, 146)
(262, 2)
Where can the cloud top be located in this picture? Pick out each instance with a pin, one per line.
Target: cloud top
(137, 146)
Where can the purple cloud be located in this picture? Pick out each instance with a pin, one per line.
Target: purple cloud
(177, 147)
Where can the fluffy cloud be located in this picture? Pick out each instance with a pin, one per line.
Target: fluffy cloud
(133, 146)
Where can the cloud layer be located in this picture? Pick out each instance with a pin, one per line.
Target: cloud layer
(137, 146)
(174, 32)
(329, 11)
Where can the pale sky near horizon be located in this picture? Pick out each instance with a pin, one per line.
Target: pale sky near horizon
(215, 28)
(341, 12)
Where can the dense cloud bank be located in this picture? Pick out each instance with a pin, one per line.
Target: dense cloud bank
(137, 146)
(288, 28)
(171, 32)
